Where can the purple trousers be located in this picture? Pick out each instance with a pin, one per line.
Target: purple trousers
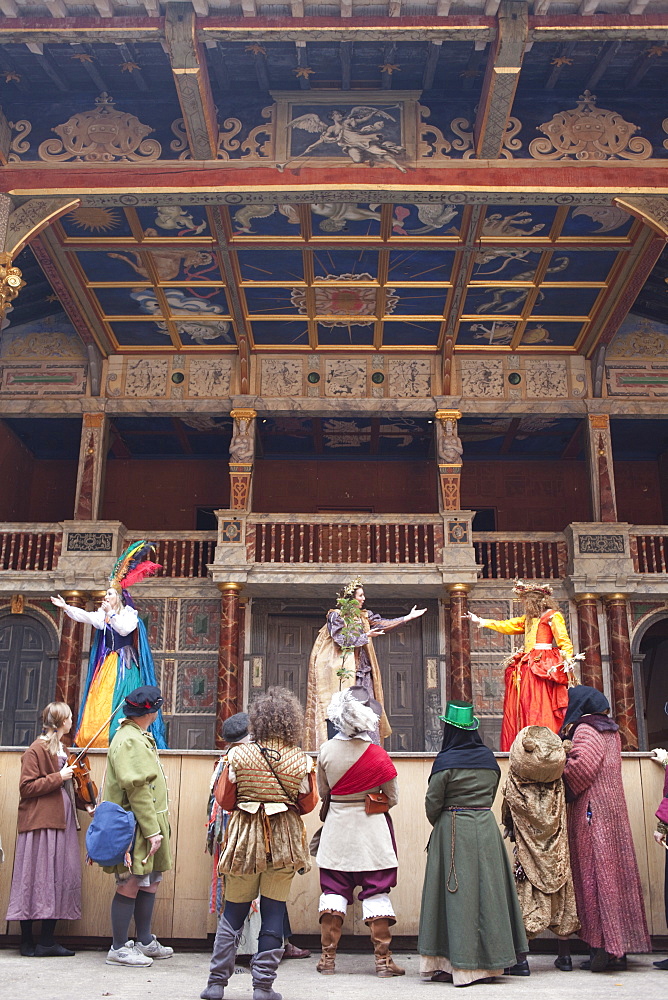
(344, 883)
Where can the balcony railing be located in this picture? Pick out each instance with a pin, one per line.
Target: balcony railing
(30, 546)
(543, 557)
(359, 539)
(650, 551)
(181, 554)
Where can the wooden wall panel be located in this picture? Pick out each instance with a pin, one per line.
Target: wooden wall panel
(131, 488)
(183, 902)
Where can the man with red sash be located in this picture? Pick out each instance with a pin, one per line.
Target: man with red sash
(357, 845)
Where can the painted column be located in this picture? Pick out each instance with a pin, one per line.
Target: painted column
(69, 654)
(229, 693)
(92, 465)
(591, 668)
(242, 456)
(624, 707)
(460, 644)
(601, 470)
(449, 450)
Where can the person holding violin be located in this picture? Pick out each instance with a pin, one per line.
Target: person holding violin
(46, 884)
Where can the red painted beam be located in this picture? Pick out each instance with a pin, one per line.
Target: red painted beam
(558, 178)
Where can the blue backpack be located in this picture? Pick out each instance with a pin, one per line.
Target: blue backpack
(110, 836)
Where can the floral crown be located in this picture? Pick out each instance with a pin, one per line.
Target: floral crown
(350, 588)
(521, 588)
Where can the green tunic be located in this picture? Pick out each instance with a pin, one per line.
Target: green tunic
(136, 781)
(478, 926)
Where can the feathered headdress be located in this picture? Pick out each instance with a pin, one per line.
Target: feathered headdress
(521, 588)
(350, 588)
(133, 565)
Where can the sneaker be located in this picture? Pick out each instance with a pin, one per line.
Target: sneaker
(154, 949)
(128, 955)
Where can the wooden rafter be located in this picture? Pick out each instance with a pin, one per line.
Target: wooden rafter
(191, 77)
(501, 79)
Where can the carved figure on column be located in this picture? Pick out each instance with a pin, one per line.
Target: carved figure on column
(242, 455)
(120, 657)
(449, 450)
(537, 677)
(343, 656)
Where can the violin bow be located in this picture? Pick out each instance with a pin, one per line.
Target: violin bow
(93, 738)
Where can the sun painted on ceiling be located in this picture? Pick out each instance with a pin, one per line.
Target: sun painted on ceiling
(395, 277)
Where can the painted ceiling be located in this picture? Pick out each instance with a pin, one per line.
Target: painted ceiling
(353, 276)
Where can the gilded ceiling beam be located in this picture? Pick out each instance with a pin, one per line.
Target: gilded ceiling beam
(191, 78)
(501, 79)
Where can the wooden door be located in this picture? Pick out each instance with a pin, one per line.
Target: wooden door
(400, 659)
(27, 678)
(290, 639)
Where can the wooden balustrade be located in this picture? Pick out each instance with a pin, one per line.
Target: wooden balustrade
(31, 547)
(186, 557)
(321, 541)
(649, 553)
(538, 558)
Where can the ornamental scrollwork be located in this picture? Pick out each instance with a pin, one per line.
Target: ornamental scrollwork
(19, 143)
(464, 141)
(253, 146)
(435, 147)
(102, 135)
(589, 133)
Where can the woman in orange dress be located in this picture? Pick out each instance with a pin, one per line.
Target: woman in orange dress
(537, 677)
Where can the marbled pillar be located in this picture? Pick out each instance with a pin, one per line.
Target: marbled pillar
(460, 644)
(601, 470)
(230, 661)
(591, 668)
(69, 654)
(621, 665)
(92, 465)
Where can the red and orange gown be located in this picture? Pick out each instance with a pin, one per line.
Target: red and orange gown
(536, 677)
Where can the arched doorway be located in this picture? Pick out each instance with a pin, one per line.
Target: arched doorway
(653, 649)
(28, 663)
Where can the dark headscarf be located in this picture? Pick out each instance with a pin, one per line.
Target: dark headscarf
(463, 748)
(587, 705)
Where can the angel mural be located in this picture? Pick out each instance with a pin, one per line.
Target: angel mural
(357, 133)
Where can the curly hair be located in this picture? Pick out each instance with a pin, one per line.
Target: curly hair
(535, 604)
(278, 715)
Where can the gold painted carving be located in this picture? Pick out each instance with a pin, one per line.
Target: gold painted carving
(18, 604)
(11, 282)
(438, 146)
(253, 147)
(19, 143)
(589, 133)
(464, 141)
(102, 135)
(599, 421)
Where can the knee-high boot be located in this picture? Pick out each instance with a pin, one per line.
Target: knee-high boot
(222, 960)
(381, 936)
(263, 966)
(330, 935)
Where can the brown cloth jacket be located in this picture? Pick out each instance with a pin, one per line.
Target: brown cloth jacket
(41, 806)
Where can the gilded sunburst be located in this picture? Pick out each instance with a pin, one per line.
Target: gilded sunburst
(94, 219)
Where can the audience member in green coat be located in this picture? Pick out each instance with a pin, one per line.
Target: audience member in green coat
(135, 780)
(471, 926)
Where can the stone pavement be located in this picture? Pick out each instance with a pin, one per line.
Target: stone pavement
(86, 977)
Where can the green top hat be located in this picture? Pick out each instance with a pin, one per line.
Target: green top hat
(460, 714)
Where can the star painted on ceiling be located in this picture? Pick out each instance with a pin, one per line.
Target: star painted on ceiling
(561, 61)
(303, 72)
(389, 68)
(656, 50)
(129, 67)
(11, 75)
(256, 49)
(83, 57)
(52, 298)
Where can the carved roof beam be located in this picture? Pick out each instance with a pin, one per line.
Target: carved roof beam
(201, 7)
(639, 69)
(44, 59)
(457, 296)
(541, 7)
(302, 63)
(605, 57)
(443, 8)
(249, 8)
(129, 59)
(558, 63)
(346, 57)
(598, 27)
(297, 8)
(216, 60)
(394, 8)
(588, 7)
(380, 30)
(637, 6)
(152, 7)
(191, 77)
(236, 308)
(472, 71)
(89, 65)
(56, 8)
(9, 8)
(104, 8)
(501, 79)
(510, 435)
(431, 65)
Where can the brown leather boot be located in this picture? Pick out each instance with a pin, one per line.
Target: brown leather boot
(330, 934)
(381, 937)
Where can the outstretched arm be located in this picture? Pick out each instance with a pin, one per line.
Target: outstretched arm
(94, 618)
(507, 626)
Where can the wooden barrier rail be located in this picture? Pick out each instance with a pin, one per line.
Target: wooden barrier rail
(541, 558)
(649, 553)
(31, 548)
(186, 557)
(345, 542)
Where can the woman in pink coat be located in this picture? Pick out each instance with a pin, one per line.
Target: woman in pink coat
(605, 871)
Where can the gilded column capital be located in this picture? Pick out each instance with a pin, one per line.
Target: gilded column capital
(77, 598)
(448, 414)
(615, 598)
(230, 588)
(243, 413)
(458, 588)
(585, 598)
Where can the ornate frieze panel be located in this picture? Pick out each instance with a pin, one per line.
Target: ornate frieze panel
(515, 376)
(41, 379)
(348, 378)
(586, 132)
(169, 378)
(601, 545)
